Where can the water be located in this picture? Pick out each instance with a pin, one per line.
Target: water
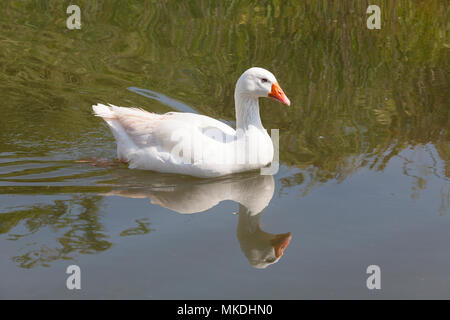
(364, 151)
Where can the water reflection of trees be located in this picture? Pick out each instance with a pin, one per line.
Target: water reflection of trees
(76, 220)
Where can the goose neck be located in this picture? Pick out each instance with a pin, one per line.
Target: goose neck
(247, 112)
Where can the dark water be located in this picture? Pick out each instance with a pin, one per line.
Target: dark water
(364, 150)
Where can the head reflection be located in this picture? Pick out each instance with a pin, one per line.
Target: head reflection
(188, 195)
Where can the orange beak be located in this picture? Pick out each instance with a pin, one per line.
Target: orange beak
(280, 242)
(278, 94)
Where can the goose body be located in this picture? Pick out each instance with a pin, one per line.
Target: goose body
(193, 144)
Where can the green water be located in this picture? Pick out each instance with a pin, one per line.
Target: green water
(364, 150)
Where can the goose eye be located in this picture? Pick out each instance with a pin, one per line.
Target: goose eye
(264, 80)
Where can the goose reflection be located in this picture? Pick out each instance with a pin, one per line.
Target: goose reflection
(187, 195)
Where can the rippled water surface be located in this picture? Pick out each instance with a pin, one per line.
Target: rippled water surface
(364, 151)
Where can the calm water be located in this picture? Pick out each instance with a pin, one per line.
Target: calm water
(364, 150)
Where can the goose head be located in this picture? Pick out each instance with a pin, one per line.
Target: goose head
(260, 83)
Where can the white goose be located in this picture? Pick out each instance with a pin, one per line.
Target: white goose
(197, 145)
